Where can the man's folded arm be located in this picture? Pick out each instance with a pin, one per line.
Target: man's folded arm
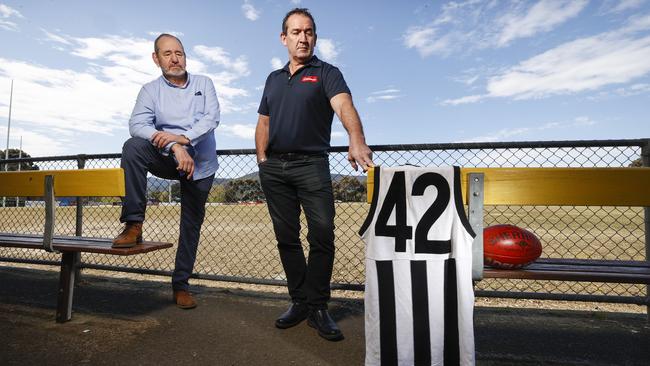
(141, 123)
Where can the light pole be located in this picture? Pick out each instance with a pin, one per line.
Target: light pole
(11, 97)
(20, 155)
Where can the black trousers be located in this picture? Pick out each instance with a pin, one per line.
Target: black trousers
(139, 156)
(289, 182)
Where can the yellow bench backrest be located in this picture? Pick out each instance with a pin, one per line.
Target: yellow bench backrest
(83, 182)
(558, 186)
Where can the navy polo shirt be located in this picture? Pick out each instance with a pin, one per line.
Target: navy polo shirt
(298, 106)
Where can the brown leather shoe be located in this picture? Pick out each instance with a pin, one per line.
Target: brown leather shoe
(130, 236)
(184, 299)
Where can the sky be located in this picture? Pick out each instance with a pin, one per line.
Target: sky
(419, 71)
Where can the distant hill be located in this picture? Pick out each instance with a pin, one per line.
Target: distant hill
(335, 177)
(155, 184)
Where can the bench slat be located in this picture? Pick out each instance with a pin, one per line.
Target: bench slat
(592, 262)
(578, 270)
(563, 186)
(575, 276)
(73, 183)
(557, 186)
(78, 244)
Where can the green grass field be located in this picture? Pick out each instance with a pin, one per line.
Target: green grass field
(238, 240)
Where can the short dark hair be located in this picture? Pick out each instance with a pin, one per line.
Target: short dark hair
(162, 35)
(300, 11)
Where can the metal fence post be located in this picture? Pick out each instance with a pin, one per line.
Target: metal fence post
(475, 201)
(78, 229)
(81, 163)
(645, 160)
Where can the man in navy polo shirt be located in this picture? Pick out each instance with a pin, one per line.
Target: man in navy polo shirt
(172, 128)
(292, 139)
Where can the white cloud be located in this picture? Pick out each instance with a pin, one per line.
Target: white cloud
(541, 17)
(8, 12)
(467, 79)
(372, 99)
(75, 101)
(464, 100)
(582, 121)
(98, 98)
(328, 49)
(276, 63)
(424, 41)
(338, 134)
(232, 69)
(55, 38)
(39, 141)
(635, 89)
(240, 130)
(586, 64)
(295, 2)
(173, 33)
(121, 60)
(636, 24)
(250, 12)
(475, 24)
(7, 25)
(386, 91)
(386, 94)
(222, 58)
(620, 6)
(501, 135)
(510, 134)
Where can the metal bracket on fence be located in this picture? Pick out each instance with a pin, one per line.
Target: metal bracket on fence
(81, 163)
(475, 205)
(50, 204)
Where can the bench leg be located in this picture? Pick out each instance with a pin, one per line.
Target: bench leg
(66, 286)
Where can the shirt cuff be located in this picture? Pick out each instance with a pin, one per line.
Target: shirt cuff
(165, 151)
(191, 135)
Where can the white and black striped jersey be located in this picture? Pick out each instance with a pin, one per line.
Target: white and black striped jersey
(419, 299)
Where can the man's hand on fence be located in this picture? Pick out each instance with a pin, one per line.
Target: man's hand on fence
(359, 154)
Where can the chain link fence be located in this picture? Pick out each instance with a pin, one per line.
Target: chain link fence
(238, 244)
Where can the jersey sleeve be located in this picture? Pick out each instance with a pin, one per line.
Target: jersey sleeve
(263, 109)
(334, 83)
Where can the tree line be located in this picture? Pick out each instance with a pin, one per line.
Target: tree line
(346, 189)
(15, 154)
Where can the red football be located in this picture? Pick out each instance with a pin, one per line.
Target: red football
(509, 246)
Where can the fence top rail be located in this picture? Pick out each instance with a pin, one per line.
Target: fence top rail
(642, 142)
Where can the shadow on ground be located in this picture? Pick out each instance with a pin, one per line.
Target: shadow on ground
(129, 322)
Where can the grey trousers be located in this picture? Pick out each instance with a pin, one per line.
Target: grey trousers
(139, 156)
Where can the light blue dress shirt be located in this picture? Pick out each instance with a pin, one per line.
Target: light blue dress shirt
(191, 110)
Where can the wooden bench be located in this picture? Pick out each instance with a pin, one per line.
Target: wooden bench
(50, 184)
(556, 187)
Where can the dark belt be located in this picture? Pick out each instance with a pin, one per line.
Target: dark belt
(297, 155)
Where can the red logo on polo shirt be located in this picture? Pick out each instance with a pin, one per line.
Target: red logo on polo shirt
(309, 79)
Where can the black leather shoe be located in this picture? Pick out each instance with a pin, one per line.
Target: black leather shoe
(296, 313)
(324, 324)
